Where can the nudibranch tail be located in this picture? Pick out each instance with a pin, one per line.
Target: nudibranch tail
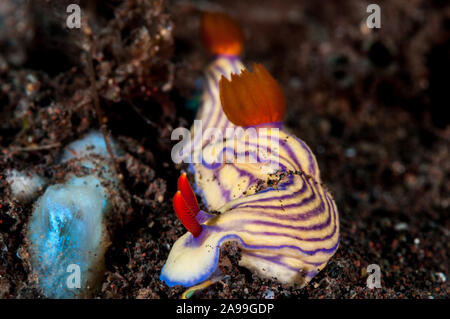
(192, 290)
(221, 34)
(251, 99)
(186, 216)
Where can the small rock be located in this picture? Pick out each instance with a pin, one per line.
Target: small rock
(441, 277)
(350, 152)
(24, 187)
(401, 226)
(269, 294)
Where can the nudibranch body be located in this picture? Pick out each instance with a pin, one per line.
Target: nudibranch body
(223, 38)
(67, 232)
(272, 203)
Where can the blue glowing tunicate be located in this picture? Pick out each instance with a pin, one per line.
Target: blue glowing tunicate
(67, 231)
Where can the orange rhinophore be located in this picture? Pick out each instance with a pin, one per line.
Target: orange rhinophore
(252, 98)
(221, 34)
(186, 206)
(186, 216)
(188, 194)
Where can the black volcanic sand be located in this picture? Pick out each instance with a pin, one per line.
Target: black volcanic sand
(370, 104)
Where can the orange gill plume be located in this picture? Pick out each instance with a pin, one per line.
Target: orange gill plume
(252, 98)
(221, 34)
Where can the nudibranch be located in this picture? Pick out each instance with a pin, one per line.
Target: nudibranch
(224, 39)
(272, 203)
(67, 230)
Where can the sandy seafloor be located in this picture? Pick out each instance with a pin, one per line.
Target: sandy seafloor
(370, 104)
